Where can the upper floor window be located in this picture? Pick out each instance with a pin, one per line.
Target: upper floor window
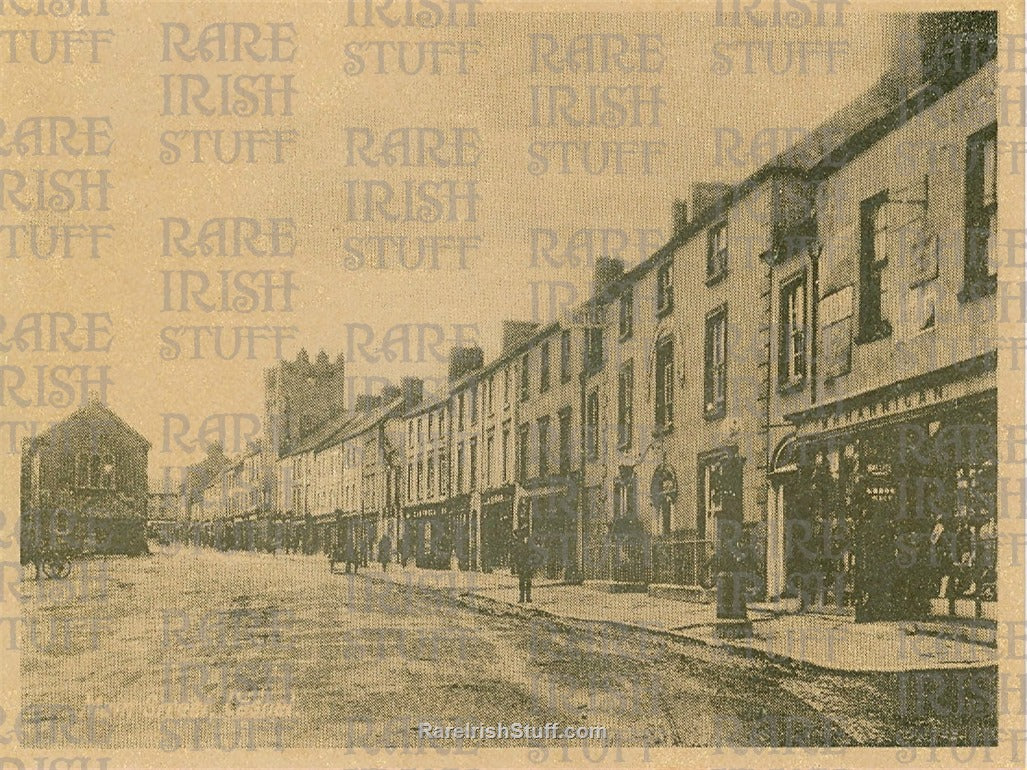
(627, 311)
(460, 467)
(980, 271)
(593, 349)
(460, 412)
(565, 440)
(625, 388)
(716, 252)
(524, 377)
(665, 383)
(543, 367)
(565, 355)
(505, 453)
(490, 449)
(474, 404)
(543, 447)
(522, 451)
(873, 260)
(715, 379)
(94, 471)
(592, 424)
(664, 288)
(792, 338)
(431, 475)
(472, 463)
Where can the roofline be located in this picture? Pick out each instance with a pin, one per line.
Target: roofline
(40, 436)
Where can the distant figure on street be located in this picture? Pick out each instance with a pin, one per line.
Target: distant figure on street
(337, 555)
(524, 565)
(385, 552)
(352, 557)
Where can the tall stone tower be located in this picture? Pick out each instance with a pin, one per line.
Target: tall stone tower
(298, 397)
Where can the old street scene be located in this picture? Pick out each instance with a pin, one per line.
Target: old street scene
(745, 493)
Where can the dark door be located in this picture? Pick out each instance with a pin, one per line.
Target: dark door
(876, 563)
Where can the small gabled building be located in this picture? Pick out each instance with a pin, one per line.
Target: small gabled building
(84, 485)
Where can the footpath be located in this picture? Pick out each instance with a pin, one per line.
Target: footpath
(829, 642)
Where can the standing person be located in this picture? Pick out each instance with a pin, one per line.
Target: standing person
(337, 554)
(524, 564)
(352, 557)
(385, 551)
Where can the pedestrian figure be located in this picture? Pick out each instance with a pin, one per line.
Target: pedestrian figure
(351, 555)
(385, 552)
(337, 555)
(524, 565)
(401, 552)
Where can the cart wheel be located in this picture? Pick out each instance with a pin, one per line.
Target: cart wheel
(57, 567)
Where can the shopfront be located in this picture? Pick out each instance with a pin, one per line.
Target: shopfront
(889, 518)
(551, 517)
(463, 530)
(433, 532)
(497, 525)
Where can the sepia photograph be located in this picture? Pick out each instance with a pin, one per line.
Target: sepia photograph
(495, 384)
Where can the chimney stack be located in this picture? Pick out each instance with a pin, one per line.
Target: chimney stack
(464, 360)
(412, 390)
(606, 273)
(515, 332)
(679, 215)
(709, 196)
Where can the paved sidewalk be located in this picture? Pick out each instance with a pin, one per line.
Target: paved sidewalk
(827, 642)
(840, 644)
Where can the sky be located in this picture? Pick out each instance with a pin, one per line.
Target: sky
(713, 85)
